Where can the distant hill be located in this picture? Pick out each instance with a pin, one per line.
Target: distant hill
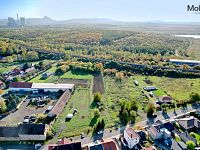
(108, 24)
(40, 21)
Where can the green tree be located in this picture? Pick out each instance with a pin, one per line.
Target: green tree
(3, 106)
(190, 145)
(97, 97)
(195, 97)
(32, 55)
(16, 79)
(150, 108)
(96, 113)
(132, 115)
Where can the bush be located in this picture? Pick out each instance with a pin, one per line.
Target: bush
(3, 106)
(150, 109)
(97, 97)
(41, 118)
(96, 113)
(190, 145)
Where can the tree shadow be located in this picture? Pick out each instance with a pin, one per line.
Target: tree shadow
(175, 112)
(67, 119)
(93, 104)
(150, 119)
(93, 121)
(165, 115)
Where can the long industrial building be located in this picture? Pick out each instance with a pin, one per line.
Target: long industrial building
(182, 62)
(39, 87)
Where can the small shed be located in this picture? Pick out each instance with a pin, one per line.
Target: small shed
(136, 83)
(69, 116)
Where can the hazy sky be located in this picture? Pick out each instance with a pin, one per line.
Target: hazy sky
(124, 10)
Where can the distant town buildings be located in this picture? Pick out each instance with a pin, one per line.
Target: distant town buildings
(16, 23)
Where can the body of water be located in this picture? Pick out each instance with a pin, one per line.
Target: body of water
(189, 36)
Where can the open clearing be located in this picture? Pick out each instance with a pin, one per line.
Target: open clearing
(98, 85)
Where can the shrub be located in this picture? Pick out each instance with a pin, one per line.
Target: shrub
(97, 97)
(190, 145)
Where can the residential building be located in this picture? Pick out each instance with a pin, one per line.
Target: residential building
(23, 132)
(46, 75)
(107, 144)
(64, 144)
(165, 99)
(131, 137)
(189, 123)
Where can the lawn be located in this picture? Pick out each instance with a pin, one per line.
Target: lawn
(55, 78)
(178, 88)
(80, 100)
(5, 67)
(116, 91)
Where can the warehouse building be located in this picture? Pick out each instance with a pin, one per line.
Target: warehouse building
(186, 62)
(39, 87)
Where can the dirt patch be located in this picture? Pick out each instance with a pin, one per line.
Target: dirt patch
(98, 85)
(148, 81)
(77, 82)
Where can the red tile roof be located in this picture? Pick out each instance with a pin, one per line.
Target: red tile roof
(109, 145)
(131, 133)
(165, 98)
(20, 85)
(153, 130)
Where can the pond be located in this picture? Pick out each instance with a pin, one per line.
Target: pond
(189, 36)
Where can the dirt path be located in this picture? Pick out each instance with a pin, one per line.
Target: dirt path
(98, 85)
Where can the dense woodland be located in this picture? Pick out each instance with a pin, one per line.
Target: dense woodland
(24, 44)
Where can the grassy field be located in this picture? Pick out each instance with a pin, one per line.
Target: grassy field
(54, 78)
(81, 100)
(140, 79)
(5, 67)
(178, 88)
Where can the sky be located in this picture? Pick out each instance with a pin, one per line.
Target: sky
(121, 10)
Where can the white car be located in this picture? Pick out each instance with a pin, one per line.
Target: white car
(26, 120)
(49, 108)
(100, 132)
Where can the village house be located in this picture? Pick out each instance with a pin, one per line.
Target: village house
(107, 144)
(131, 138)
(165, 99)
(46, 75)
(64, 144)
(189, 123)
(23, 132)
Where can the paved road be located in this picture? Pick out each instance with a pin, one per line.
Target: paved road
(146, 122)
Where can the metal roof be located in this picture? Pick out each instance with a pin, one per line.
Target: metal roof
(51, 86)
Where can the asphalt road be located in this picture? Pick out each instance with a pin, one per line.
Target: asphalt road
(145, 122)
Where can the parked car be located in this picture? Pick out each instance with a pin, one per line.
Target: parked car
(82, 135)
(100, 132)
(26, 120)
(26, 117)
(50, 108)
(32, 119)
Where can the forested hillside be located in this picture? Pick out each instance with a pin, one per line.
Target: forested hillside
(137, 47)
